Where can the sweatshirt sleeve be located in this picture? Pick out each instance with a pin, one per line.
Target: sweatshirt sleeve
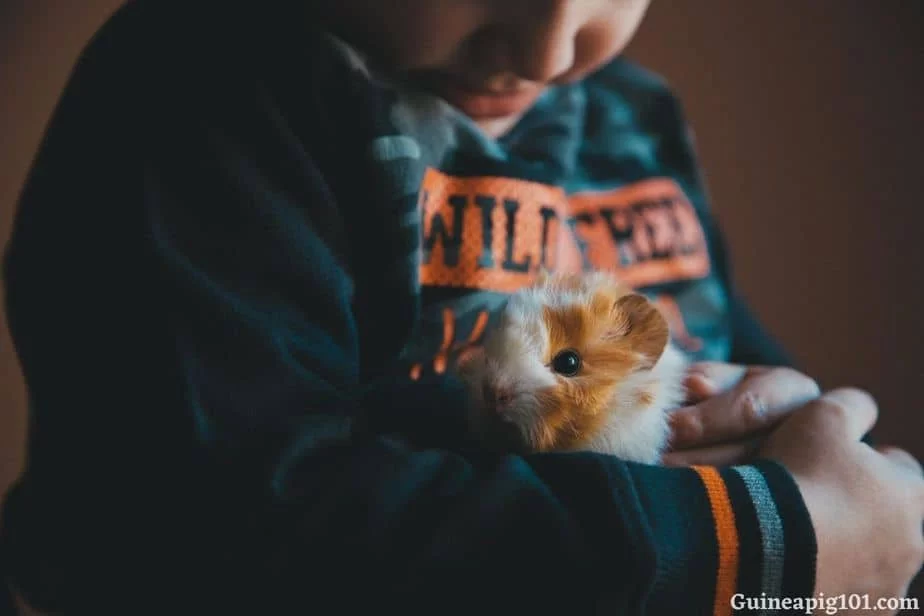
(751, 342)
(205, 419)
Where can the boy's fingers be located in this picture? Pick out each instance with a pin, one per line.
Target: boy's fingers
(756, 403)
(707, 379)
(848, 412)
(717, 455)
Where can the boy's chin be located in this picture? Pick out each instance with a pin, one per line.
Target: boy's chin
(498, 127)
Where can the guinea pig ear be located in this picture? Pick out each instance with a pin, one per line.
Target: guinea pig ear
(642, 325)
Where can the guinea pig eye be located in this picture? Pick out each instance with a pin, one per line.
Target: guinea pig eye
(567, 363)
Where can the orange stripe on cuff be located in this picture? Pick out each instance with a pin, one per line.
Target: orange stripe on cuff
(726, 531)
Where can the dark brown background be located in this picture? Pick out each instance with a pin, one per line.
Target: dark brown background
(810, 119)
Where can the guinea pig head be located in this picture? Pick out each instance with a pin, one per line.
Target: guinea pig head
(557, 366)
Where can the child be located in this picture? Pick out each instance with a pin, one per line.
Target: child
(253, 245)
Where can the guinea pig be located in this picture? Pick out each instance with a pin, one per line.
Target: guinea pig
(576, 362)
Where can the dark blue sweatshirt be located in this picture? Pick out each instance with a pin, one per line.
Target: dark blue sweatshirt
(241, 269)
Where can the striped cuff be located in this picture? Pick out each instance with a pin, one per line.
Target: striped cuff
(765, 544)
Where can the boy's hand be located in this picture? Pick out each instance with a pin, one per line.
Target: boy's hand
(731, 409)
(867, 505)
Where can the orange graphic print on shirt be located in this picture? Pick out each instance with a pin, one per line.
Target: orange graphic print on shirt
(494, 233)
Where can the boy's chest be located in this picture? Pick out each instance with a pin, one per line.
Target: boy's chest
(584, 183)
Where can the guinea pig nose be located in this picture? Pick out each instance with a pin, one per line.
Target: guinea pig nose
(503, 398)
(497, 397)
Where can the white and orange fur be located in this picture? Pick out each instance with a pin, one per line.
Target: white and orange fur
(630, 378)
